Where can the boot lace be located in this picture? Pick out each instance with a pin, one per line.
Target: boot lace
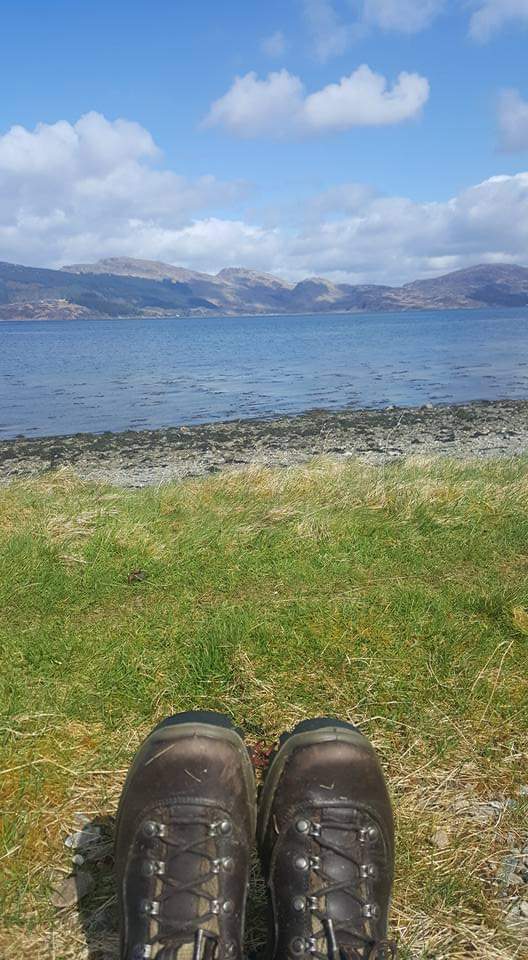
(167, 936)
(324, 944)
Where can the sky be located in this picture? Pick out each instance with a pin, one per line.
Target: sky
(368, 141)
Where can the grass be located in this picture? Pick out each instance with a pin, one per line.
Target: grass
(394, 597)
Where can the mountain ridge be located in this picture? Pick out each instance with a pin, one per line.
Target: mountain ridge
(129, 287)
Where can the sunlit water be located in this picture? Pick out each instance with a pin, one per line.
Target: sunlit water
(71, 376)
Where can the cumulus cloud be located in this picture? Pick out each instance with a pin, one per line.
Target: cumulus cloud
(91, 185)
(71, 192)
(406, 16)
(352, 233)
(513, 121)
(363, 99)
(274, 45)
(393, 239)
(492, 15)
(252, 107)
(279, 105)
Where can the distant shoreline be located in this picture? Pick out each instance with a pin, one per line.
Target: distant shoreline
(467, 308)
(479, 429)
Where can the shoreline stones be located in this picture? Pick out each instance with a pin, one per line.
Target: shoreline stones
(135, 459)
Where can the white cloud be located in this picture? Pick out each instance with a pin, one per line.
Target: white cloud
(252, 107)
(58, 149)
(274, 45)
(279, 106)
(351, 233)
(331, 33)
(363, 99)
(492, 15)
(393, 239)
(406, 16)
(71, 192)
(91, 185)
(513, 120)
(330, 36)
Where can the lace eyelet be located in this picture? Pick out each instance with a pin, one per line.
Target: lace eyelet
(222, 827)
(299, 904)
(297, 946)
(302, 826)
(368, 834)
(142, 951)
(150, 907)
(151, 828)
(370, 911)
(367, 871)
(153, 868)
(301, 863)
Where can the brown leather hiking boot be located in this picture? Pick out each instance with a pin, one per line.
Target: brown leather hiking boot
(185, 827)
(326, 838)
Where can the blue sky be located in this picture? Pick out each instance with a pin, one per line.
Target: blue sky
(319, 159)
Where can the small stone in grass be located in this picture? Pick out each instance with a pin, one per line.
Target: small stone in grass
(81, 819)
(136, 576)
(482, 811)
(507, 869)
(82, 838)
(441, 839)
(69, 890)
(73, 840)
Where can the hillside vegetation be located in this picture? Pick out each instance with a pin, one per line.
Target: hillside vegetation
(125, 287)
(394, 597)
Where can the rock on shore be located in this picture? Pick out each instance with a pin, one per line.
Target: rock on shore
(134, 459)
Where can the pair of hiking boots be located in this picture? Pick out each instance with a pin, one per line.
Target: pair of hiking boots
(186, 825)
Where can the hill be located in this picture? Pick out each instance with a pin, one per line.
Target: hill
(125, 287)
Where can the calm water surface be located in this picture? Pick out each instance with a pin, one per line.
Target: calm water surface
(71, 376)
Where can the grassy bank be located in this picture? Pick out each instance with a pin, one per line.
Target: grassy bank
(395, 597)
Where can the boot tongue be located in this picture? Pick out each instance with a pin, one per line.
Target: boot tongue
(184, 951)
(351, 947)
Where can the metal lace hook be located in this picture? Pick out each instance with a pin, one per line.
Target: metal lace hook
(333, 949)
(204, 945)
(199, 939)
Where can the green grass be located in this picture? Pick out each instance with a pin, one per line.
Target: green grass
(394, 597)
